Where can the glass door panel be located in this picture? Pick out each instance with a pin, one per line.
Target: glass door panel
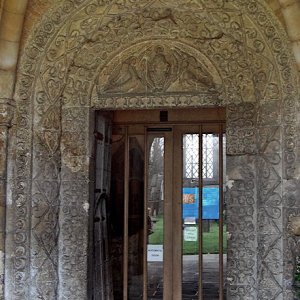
(168, 229)
(155, 217)
(203, 221)
(190, 215)
(210, 215)
(116, 208)
(136, 216)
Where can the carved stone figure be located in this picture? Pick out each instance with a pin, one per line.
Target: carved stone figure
(124, 78)
(194, 75)
(161, 67)
(159, 70)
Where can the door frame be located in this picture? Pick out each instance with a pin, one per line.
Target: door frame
(173, 182)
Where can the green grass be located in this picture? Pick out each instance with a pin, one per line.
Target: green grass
(210, 239)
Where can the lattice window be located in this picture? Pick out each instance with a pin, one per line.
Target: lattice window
(208, 156)
(191, 155)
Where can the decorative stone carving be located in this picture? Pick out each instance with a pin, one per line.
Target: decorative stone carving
(174, 54)
(6, 112)
(155, 101)
(241, 127)
(241, 211)
(158, 67)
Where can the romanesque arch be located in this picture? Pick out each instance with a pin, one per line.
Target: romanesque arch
(240, 50)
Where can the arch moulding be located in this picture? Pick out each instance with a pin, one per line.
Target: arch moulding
(88, 55)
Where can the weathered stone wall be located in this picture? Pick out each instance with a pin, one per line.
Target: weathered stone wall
(35, 11)
(290, 11)
(11, 18)
(284, 10)
(5, 122)
(275, 6)
(1, 8)
(245, 64)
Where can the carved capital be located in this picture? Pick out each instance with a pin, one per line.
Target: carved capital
(7, 108)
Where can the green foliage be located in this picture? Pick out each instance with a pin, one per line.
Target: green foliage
(210, 239)
(297, 278)
(297, 273)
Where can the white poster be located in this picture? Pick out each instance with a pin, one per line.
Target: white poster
(190, 234)
(155, 253)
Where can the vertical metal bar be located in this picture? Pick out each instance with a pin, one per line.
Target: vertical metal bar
(200, 227)
(92, 262)
(221, 267)
(177, 212)
(169, 225)
(126, 205)
(145, 241)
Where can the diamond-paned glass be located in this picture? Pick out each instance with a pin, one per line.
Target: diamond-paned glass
(191, 155)
(208, 156)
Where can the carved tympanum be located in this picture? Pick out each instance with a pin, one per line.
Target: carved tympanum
(158, 67)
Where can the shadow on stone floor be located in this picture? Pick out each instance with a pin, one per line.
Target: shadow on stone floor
(190, 278)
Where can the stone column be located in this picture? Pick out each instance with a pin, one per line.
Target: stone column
(241, 202)
(74, 204)
(269, 200)
(6, 112)
(11, 20)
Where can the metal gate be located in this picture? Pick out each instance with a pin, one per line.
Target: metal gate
(167, 223)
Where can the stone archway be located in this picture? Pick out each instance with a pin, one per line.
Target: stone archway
(242, 51)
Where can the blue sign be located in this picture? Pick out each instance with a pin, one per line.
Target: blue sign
(210, 203)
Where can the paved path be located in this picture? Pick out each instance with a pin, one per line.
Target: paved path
(190, 278)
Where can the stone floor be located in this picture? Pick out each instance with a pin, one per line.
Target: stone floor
(190, 278)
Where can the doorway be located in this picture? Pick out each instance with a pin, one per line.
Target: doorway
(160, 222)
